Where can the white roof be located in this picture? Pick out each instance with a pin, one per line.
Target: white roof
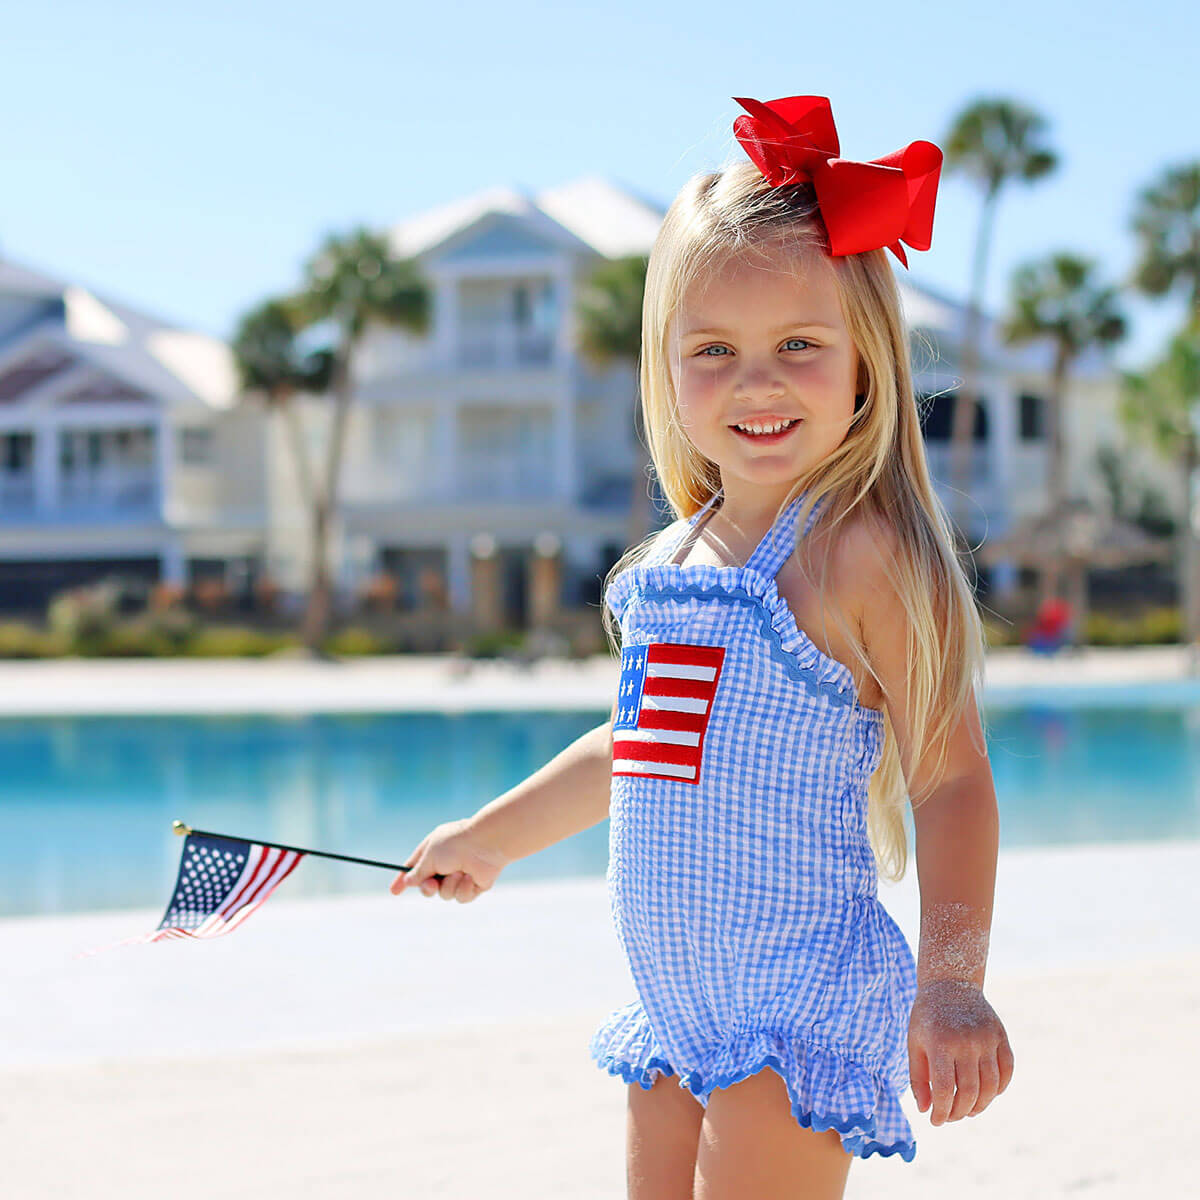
(588, 213)
(611, 219)
(179, 366)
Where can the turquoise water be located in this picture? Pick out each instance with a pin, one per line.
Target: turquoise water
(86, 803)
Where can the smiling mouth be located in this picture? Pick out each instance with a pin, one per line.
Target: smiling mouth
(768, 438)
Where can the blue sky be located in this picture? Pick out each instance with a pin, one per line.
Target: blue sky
(185, 159)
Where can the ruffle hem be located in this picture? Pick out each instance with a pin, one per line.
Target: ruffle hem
(827, 1090)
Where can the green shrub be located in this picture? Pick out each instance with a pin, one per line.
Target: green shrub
(234, 641)
(1001, 633)
(355, 640)
(1155, 627)
(493, 643)
(171, 630)
(84, 618)
(19, 640)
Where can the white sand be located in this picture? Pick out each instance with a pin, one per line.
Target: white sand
(373, 1045)
(1100, 1106)
(340, 1047)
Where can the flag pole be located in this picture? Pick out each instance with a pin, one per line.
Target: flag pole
(183, 829)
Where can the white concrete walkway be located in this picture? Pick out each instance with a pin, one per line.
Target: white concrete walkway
(447, 682)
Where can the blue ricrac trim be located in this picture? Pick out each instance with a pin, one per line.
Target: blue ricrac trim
(631, 1074)
(864, 1148)
(861, 1144)
(809, 676)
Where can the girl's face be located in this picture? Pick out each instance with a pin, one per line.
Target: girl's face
(753, 343)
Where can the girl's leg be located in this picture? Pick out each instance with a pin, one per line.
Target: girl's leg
(662, 1129)
(751, 1145)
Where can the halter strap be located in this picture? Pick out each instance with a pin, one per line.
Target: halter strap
(770, 553)
(778, 542)
(672, 545)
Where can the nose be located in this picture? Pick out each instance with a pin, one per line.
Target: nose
(757, 380)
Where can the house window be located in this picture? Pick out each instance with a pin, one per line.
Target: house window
(405, 453)
(1033, 418)
(521, 305)
(196, 445)
(505, 453)
(937, 416)
(16, 452)
(81, 450)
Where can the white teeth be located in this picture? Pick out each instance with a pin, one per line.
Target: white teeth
(775, 428)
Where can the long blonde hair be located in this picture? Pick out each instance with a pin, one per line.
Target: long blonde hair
(879, 469)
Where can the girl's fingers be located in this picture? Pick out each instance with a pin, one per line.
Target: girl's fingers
(941, 1078)
(405, 878)
(989, 1083)
(1004, 1059)
(966, 1083)
(918, 1076)
(450, 884)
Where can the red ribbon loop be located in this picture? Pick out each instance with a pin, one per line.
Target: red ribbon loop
(865, 205)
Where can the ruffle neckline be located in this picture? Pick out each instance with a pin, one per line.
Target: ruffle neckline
(826, 1089)
(794, 648)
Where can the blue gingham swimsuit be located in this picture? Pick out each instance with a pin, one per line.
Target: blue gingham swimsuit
(741, 879)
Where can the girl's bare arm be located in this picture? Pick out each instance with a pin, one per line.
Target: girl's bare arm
(567, 795)
(564, 797)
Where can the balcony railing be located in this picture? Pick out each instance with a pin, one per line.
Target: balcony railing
(504, 348)
(940, 465)
(496, 478)
(16, 494)
(109, 491)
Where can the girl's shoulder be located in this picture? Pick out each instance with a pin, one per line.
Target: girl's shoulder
(852, 557)
(832, 594)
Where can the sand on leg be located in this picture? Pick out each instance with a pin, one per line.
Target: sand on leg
(751, 1145)
(662, 1130)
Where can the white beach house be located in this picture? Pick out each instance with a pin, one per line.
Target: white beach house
(487, 454)
(122, 447)
(492, 439)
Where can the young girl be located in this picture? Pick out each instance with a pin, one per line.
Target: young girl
(759, 756)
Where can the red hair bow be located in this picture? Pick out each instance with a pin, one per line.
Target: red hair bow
(865, 205)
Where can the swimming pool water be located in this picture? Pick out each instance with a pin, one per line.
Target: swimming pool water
(86, 803)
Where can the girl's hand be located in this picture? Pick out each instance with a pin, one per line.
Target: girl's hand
(468, 867)
(959, 1059)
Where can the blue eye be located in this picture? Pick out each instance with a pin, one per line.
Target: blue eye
(705, 352)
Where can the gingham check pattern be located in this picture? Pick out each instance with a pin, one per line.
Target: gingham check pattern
(746, 903)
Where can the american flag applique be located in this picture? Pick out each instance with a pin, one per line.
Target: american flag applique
(663, 708)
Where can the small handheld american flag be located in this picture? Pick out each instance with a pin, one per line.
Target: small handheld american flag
(222, 880)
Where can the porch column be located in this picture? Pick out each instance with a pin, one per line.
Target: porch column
(486, 598)
(545, 580)
(45, 468)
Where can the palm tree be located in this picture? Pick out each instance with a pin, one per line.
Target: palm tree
(991, 141)
(1059, 298)
(609, 310)
(1166, 221)
(351, 282)
(271, 365)
(1161, 406)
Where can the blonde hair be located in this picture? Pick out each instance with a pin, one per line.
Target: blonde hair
(880, 468)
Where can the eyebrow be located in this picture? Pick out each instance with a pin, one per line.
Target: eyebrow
(777, 329)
